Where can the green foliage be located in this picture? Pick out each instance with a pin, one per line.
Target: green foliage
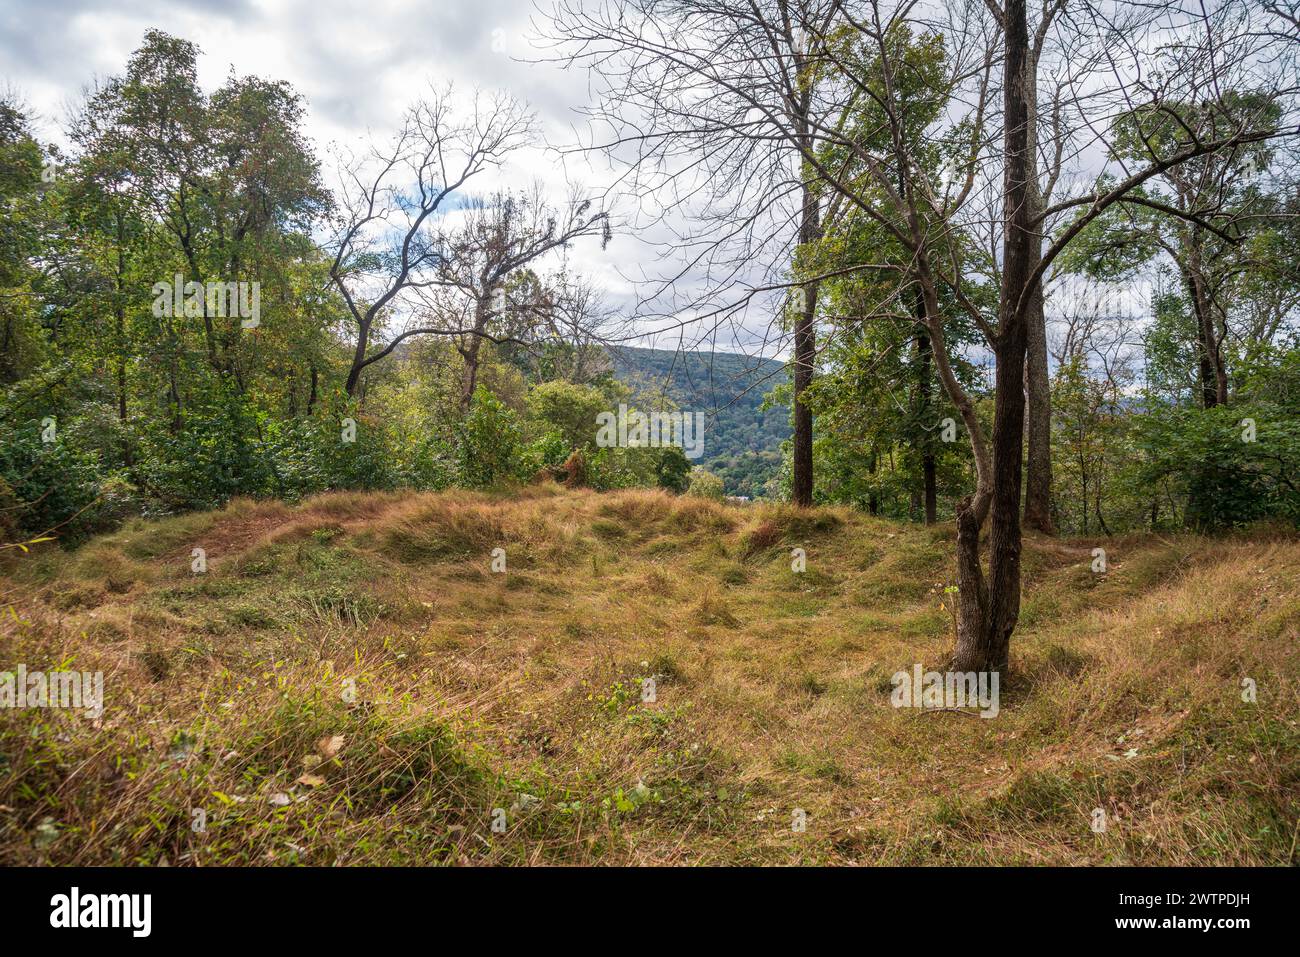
(744, 432)
(1233, 466)
(161, 413)
(673, 469)
(56, 488)
(488, 443)
(568, 410)
(1092, 454)
(704, 484)
(638, 467)
(548, 451)
(343, 449)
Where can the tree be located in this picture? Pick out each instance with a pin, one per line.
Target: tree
(892, 184)
(385, 245)
(485, 289)
(21, 164)
(715, 107)
(879, 336)
(227, 178)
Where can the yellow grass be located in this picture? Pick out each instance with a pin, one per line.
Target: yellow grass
(225, 690)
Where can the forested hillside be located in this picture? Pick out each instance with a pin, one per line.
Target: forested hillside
(743, 439)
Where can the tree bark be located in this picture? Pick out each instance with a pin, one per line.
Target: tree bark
(988, 617)
(924, 360)
(470, 350)
(1038, 468)
(358, 358)
(805, 353)
(805, 356)
(469, 376)
(311, 396)
(1210, 372)
(1038, 473)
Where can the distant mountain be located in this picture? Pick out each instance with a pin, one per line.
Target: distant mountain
(742, 443)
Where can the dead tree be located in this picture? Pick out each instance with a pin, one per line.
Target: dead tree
(387, 243)
(711, 107)
(495, 239)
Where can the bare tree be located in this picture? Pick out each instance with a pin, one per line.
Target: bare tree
(387, 244)
(713, 105)
(495, 239)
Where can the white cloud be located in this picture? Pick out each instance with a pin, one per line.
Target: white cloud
(358, 65)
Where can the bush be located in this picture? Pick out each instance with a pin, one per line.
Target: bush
(50, 486)
(673, 470)
(337, 449)
(567, 410)
(488, 443)
(547, 452)
(704, 484)
(619, 467)
(1233, 465)
(213, 456)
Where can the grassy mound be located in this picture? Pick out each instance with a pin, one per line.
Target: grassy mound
(649, 680)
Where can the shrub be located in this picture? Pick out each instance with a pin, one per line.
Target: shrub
(50, 486)
(1234, 465)
(704, 484)
(488, 443)
(567, 410)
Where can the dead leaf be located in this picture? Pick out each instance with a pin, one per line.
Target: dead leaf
(311, 780)
(330, 746)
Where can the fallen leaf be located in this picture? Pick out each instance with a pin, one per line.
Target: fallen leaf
(311, 780)
(330, 746)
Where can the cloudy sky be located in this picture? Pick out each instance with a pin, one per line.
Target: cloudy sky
(358, 65)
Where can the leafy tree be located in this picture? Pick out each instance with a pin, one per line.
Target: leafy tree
(704, 484)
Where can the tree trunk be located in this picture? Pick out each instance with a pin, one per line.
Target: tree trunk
(470, 352)
(311, 396)
(987, 618)
(1038, 474)
(358, 359)
(804, 351)
(924, 360)
(1038, 468)
(469, 376)
(805, 356)
(1209, 361)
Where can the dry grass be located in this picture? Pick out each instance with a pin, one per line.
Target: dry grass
(227, 692)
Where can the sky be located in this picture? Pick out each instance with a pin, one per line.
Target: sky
(357, 65)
